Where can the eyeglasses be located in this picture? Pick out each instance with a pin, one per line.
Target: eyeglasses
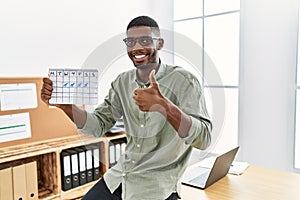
(144, 41)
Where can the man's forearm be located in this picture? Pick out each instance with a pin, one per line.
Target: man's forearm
(178, 119)
(77, 115)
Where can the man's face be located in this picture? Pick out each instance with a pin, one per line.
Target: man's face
(143, 47)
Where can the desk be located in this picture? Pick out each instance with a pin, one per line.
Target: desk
(257, 183)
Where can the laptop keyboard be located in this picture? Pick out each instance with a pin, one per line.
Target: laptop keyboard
(201, 178)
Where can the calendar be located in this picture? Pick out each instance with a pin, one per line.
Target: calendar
(74, 86)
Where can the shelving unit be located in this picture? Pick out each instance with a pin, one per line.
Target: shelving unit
(52, 131)
(47, 155)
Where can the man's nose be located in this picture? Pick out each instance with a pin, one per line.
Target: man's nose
(137, 45)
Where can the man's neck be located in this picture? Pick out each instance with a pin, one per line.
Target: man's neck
(143, 73)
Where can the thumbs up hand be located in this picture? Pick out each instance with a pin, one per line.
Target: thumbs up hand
(153, 82)
(149, 99)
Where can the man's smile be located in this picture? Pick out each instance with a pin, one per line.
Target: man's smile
(140, 57)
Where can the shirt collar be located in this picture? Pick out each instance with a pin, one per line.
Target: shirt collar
(158, 75)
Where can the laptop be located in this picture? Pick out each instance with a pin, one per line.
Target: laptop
(202, 176)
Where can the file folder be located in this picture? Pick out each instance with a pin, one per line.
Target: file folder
(74, 168)
(65, 170)
(89, 164)
(96, 162)
(112, 154)
(19, 182)
(31, 181)
(118, 151)
(6, 184)
(82, 165)
(123, 147)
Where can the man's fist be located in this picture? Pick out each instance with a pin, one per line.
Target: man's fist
(149, 99)
(46, 90)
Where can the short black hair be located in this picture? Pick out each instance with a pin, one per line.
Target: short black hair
(144, 21)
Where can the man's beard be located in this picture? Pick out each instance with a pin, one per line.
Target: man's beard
(145, 66)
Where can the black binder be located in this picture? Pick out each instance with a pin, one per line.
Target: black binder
(65, 170)
(74, 167)
(123, 147)
(96, 162)
(81, 165)
(89, 164)
(116, 149)
(112, 154)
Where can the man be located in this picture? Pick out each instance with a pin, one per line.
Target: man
(164, 114)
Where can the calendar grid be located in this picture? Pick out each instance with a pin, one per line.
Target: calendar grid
(74, 86)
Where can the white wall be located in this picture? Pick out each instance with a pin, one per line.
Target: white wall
(267, 79)
(36, 35)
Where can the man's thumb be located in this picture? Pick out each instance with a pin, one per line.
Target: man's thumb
(152, 78)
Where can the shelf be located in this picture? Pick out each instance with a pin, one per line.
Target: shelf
(17, 153)
(78, 191)
(52, 132)
(47, 156)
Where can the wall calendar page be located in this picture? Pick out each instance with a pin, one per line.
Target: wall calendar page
(74, 86)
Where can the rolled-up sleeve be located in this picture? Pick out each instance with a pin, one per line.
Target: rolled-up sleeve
(105, 115)
(199, 134)
(91, 126)
(192, 103)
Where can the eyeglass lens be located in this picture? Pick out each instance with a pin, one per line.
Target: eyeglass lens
(144, 41)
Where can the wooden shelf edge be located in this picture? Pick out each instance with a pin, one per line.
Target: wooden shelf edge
(78, 191)
(47, 146)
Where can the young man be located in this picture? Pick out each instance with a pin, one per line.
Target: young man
(164, 114)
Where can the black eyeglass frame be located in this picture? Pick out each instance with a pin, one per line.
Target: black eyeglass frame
(140, 41)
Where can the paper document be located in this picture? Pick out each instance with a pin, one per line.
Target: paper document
(238, 168)
(14, 127)
(18, 96)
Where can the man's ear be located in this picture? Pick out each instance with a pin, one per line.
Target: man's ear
(160, 44)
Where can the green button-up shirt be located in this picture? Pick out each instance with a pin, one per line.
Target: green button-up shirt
(155, 156)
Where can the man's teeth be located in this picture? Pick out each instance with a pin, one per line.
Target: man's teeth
(139, 56)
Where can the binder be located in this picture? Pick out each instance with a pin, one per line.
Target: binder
(31, 181)
(82, 165)
(74, 168)
(65, 170)
(6, 184)
(123, 147)
(19, 182)
(96, 162)
(118, 151)
(89, 164)
(112, 154)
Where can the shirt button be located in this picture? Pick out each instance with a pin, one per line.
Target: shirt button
(142, 125)
(123, 174)
(132, 161)
(138, 145)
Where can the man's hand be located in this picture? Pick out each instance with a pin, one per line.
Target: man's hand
(46, 90)
(46, 93)
(149, 99)
(77, 115)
